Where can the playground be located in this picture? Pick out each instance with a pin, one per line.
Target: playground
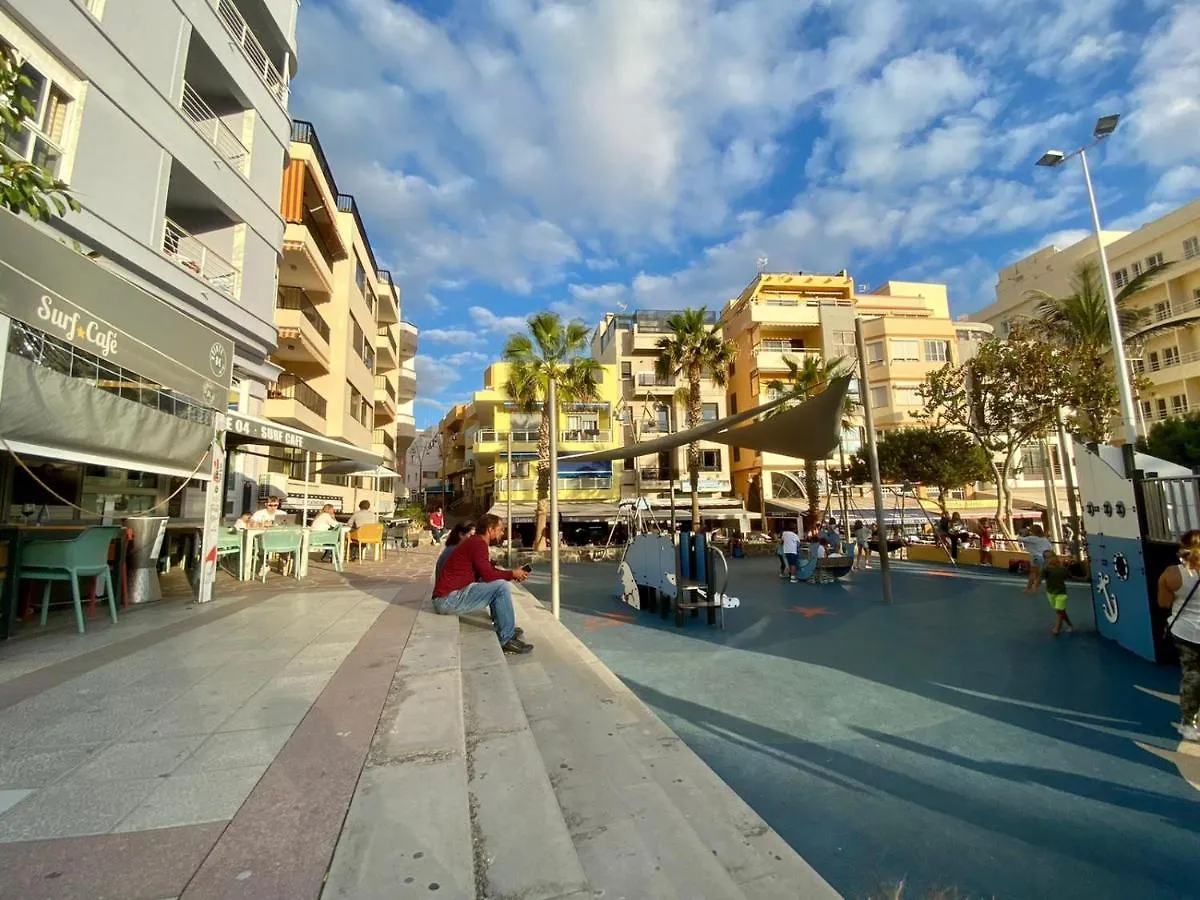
(947, 741)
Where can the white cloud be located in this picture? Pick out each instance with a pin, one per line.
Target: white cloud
(1181, 183)
(497, 325)
(1166, 101)
(466, 358)
(459, 336)
(434, 376)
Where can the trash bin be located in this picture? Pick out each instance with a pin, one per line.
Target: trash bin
(148, 533)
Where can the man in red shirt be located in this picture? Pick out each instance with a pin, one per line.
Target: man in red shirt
(468, 582)
(437, 525)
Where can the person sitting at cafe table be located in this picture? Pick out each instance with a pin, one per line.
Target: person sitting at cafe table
(267, 513)
(325, 519)
(364, 515)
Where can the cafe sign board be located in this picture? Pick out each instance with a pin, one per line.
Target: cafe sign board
(51, 287)
(244, 429)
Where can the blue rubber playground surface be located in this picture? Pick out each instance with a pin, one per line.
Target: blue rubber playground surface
(947, 741)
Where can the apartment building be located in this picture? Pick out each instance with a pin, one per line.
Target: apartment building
(1167, 355)
(342, 341)
(649, 407)
(169, 122)
(423, 466)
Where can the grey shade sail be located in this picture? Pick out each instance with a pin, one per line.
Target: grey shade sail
(809, 430)
(46, 408)
(702, 432)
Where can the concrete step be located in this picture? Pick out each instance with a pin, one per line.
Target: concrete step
(648, 818)
(408, 830)
(523, 847)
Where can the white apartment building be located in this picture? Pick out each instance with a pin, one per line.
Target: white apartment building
(423, 466)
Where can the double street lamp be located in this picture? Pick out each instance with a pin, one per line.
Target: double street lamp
(1105, 126)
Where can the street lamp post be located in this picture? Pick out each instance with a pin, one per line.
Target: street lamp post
(552, 398)
(1105, 126)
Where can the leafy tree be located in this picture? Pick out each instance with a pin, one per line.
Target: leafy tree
(693, 350)
(1176, 440)
(805, 380)
(25, 187)
(551, 349)
(945, 459)
(856, 471)
(1005, 397)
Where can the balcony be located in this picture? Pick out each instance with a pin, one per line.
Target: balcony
(647, 340)
(213, 129)
(292, 401)
(385, 400)
(384, 444)
(303, 333)
(648, 382)
(406, 343)
(386, 355)
(252, 49)
(589, 438)
(488, 440)
(772, 356)
(192, 254)
(388, 312)
(406, 389)
(406, 429)
(652, 476)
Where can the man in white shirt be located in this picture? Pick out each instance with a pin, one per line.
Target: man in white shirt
(791, 552)
(266, 514)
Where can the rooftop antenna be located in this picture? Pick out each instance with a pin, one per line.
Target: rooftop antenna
(762, 264)
(622, 306)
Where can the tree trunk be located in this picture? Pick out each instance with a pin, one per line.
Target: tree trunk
(1003, 497)
(540, 532)
(695, 414)
(812, 488)
(942, 502)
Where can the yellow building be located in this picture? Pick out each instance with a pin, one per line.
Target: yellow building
(1168, 358)
(650, 407)
(343, 347)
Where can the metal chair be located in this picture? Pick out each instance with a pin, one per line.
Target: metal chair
(82, 556)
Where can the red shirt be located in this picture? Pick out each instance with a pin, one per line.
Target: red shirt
(985, 537)
(470, 562)
(436, 520)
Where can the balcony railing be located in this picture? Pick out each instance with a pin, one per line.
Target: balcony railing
(304, 133)
(656, 475)
(585, 437)
(297, 298)
(289, 387)
(382, 383)
(588, 483)
(387, 333)
(191, 253)
(252, 48)
(1162, 311)
(318, 236)
(651, 380)
(488, 436)
(382, 437)
(1178, 359)
(210, 127)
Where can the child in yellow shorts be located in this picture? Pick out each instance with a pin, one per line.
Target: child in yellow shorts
(1055, 576)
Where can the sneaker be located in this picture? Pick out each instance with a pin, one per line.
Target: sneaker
(792, 580)
(1189, 732)
(516, 645)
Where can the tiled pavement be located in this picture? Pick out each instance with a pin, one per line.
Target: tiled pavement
(168, 721)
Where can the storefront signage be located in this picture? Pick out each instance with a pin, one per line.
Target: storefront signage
(265, 431)
(51, 287)
(245, 429)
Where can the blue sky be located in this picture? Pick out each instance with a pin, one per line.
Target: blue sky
(515, 155)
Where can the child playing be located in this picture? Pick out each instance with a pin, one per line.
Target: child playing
(1055, 575)
(1038, 547)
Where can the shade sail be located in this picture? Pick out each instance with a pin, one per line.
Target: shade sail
(809, 430)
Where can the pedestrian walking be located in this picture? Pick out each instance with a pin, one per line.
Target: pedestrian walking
(1055, 575)
(1177, 589)
(789, 542)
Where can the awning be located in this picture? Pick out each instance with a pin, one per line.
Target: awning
(350, 467)
(809, 430)
(591, 511)
(244, 429)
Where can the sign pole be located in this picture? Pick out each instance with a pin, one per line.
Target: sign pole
(508, 496)
(214, 508)
(864, 397)
(554, 586)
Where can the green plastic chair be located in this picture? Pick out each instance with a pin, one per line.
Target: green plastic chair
(329, 539)
(229, 543)
(84, 555)
(279, 540)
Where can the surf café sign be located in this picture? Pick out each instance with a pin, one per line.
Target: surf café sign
(70, 297)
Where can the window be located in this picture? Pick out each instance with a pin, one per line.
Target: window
(1147, 409)
(357, 338)
(1154, 259)
(906, 394)
(732, 368)
(732, 403)
(626, 415)
(43, 135)
(358, 406)
(626, 370)
(875, 353)
(710, 412)
(737, 454)
(937, 351)
(360, 276)
(1170, 356)
(1136, 269)
(1161, 406)
(662, 418)
(906, 350)
(710, 460)
(879, 398)
(1120, 278)
(1162, 310)
(1191, 247)
(1152, 358)
(1179, 404)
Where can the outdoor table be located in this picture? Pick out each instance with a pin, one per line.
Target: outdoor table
(251, 535)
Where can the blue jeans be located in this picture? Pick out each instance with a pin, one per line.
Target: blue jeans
(494, 594)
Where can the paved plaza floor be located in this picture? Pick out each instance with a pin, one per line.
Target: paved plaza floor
(948, 741)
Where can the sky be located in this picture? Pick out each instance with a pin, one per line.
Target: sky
(588, 156)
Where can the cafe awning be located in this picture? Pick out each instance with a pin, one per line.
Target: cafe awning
(247, 430)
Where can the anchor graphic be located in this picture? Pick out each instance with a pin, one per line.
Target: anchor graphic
(1110, 600)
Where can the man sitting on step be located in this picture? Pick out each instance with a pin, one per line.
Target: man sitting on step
(468, 582)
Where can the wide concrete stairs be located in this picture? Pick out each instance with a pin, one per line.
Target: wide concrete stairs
(542, 777)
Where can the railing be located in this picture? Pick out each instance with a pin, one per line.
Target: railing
(1164, 311)
(289, 387)
(383, 383)
(382, 437)
(489, 436)
(387, 333)
(779, 346)
(651, 380)
(32, 146)
(585, 437)
(656, 475)
(297, 298)
(346, 203)
(587, 483)
(518, 484)
(1157, 415)
(314, 228)
(210, 127)
(190, 253)
(1172, 507)
(304, 133)
(252, 48)
(1178, 359)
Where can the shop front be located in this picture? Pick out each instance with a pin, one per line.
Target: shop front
(108, 401)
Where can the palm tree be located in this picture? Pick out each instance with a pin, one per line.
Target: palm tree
(694, 350)
(555, 350)
(1078, 322)
(806, 379)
